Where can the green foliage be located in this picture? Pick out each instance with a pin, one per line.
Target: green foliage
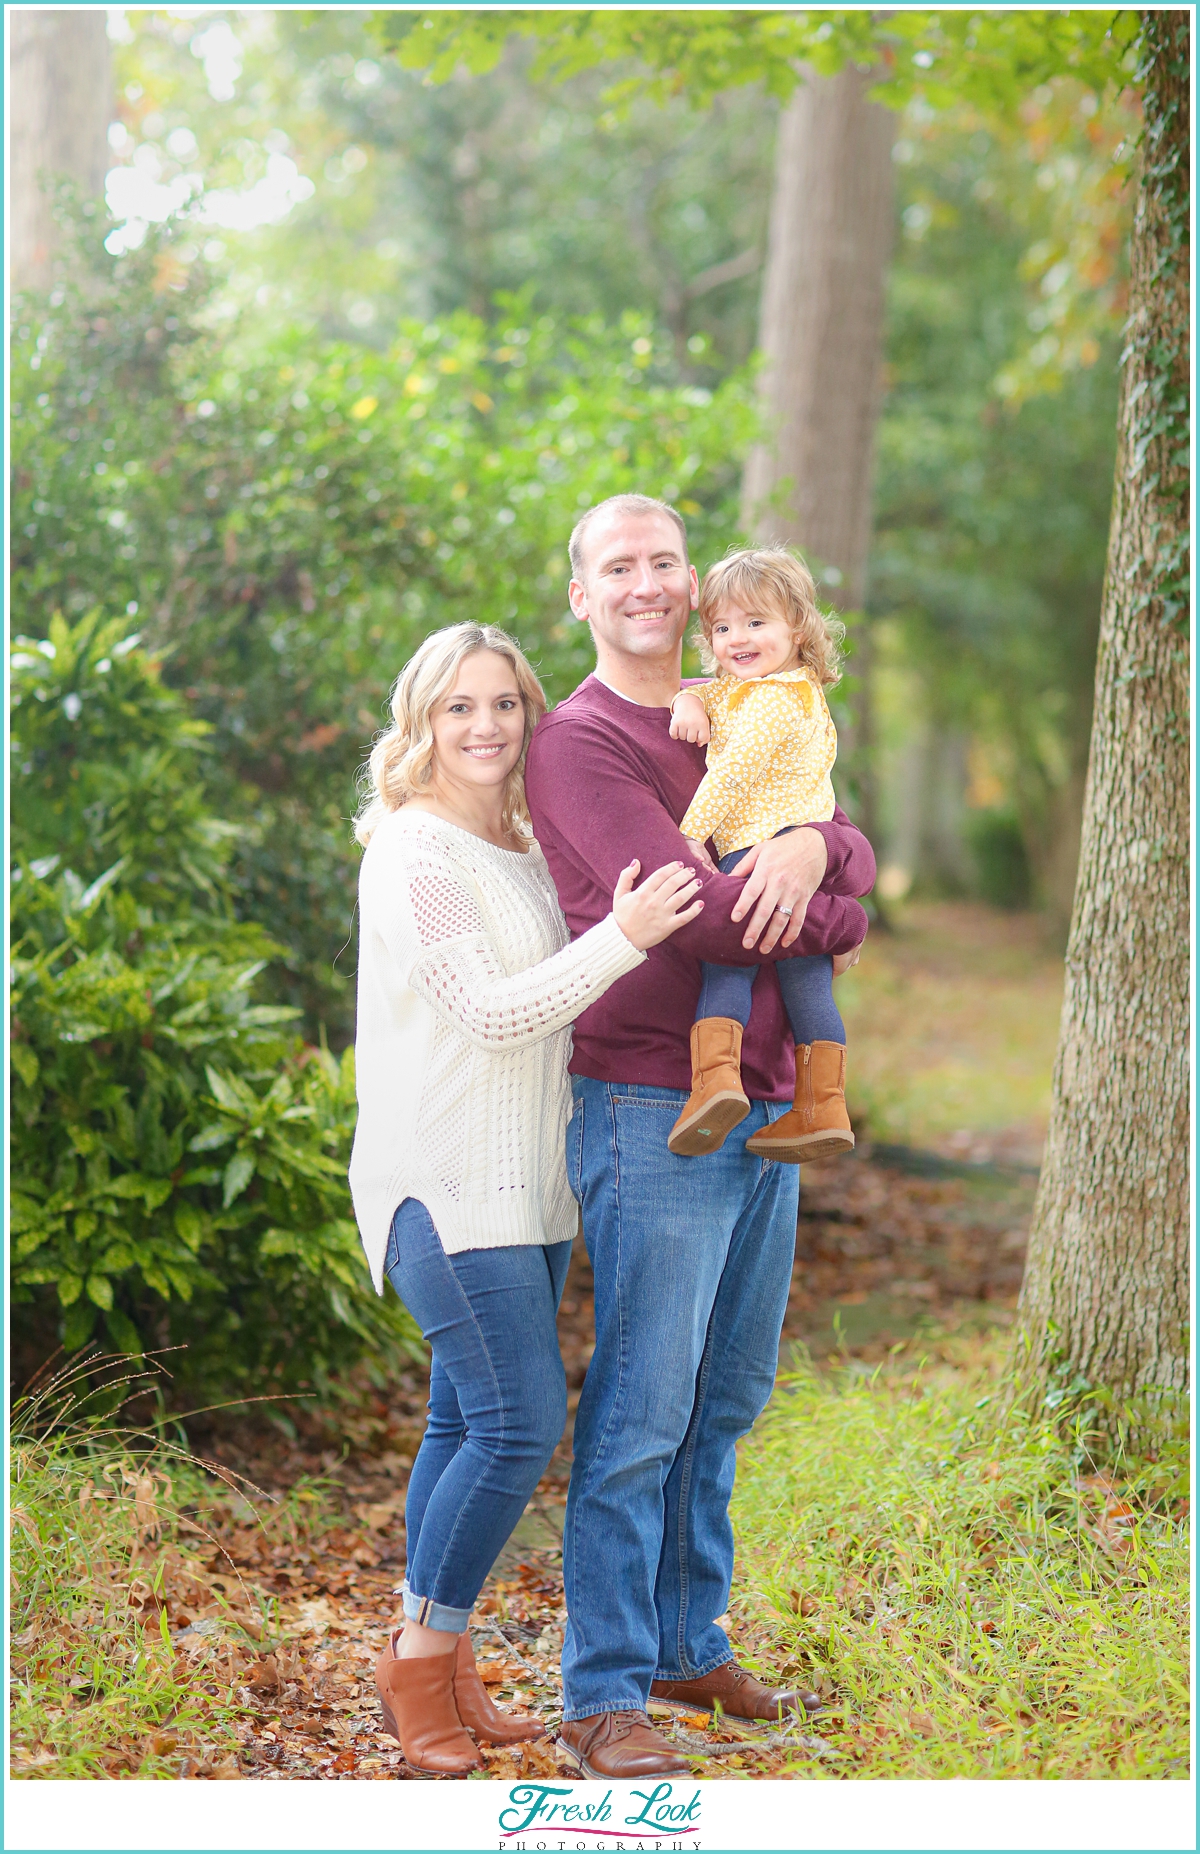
(990, 59)
(98, 1689)
(933, 1553)
(1001, 865)
(178, 1157)
(292, 517)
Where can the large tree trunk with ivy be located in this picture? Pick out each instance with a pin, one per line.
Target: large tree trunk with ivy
(60, 104)
(821, 332)
(1105, 1296)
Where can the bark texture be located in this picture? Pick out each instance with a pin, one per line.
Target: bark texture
(1105, 1292)
(821, 327)
(60, 102)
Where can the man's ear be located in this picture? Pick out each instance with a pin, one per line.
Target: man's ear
(695, 580)
(577, 594)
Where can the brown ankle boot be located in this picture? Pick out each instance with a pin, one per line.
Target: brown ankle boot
(417, 1696)
(476, 1710)
(817, 1126)
(717, 1102)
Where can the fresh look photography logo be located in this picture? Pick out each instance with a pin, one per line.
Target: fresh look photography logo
(554, 1816)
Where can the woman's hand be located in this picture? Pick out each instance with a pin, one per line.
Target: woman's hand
(842, 962)
(689, 720)
(654, 911)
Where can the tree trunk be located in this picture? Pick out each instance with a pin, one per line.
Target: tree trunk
(1105, 1292)
(60, 104)
(821, 332)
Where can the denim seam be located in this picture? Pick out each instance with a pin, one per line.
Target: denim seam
(685, 1481)
(492, 1455)
(602, 1440)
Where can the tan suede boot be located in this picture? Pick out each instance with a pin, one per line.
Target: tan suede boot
(717, 1102)
(817, 1126)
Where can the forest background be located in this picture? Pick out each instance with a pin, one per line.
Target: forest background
(328, 349)
(340, 363)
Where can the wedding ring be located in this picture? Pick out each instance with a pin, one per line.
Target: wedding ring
(784, 911)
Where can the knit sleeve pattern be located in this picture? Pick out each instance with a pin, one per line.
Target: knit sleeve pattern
(460, 974)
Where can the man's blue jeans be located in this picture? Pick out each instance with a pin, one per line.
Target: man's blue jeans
(497, 1404)
(693, 1260)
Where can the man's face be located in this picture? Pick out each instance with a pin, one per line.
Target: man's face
(637, 589)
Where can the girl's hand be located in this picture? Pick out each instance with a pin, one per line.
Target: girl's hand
(842, 962)
(702, 856)
(660, 906)
(688, 720)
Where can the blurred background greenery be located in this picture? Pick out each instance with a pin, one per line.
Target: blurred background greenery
(339, 363)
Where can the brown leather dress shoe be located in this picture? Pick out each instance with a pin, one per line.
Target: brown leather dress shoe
(619, 1744)
(737, 1693)
(475, 1709)
(417, 1697)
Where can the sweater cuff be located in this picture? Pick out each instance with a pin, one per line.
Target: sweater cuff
(610, 953)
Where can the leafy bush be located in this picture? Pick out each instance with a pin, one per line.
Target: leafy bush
(290, 519)
(178, 1154)
(1002, 873)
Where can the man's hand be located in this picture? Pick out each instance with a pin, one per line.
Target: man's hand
(688, 720)
(842, 962)
(782, 877)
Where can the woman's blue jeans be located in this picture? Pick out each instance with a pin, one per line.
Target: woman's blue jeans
(497, 1404)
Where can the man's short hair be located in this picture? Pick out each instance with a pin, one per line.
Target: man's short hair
(620, 505)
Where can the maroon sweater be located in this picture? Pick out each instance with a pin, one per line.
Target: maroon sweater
(605, 783)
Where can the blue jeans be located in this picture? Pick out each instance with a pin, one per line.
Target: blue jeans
(693, 1260)
(805, 980)
(497, 1404)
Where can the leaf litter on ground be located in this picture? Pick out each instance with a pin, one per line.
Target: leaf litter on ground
(966, 1595)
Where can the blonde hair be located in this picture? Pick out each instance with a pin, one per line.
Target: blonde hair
(772, 580)
(401, 762)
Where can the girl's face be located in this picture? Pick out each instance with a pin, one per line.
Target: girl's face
(751, 643)
(479, 724)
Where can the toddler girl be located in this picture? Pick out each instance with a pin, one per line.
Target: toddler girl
(771, 745)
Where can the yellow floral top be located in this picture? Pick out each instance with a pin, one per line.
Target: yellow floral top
(772, 746)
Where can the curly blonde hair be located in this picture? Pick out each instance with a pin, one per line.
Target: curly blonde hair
(401, 762)
(775, 581)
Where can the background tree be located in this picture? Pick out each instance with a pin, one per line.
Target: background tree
(808, 482)
(61, 101)
(809, 478)
(1106, 1285)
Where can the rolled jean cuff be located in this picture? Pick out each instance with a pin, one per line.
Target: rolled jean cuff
(433, 1615)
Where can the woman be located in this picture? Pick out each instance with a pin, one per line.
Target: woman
(467, 989)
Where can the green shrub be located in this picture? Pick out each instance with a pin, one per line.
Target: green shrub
(1002, 874)
(178, 1154)
(289, 518)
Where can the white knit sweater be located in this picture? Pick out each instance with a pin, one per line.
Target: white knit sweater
(467, 988)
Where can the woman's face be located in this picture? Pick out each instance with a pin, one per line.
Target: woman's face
(478, 724)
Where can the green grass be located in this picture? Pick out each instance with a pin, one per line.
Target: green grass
(952, 1025)
(102, 1560)
(928, 1554)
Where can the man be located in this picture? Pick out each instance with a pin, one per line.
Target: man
(692, 1257)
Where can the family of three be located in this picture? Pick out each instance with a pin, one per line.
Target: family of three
(567, 1004)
